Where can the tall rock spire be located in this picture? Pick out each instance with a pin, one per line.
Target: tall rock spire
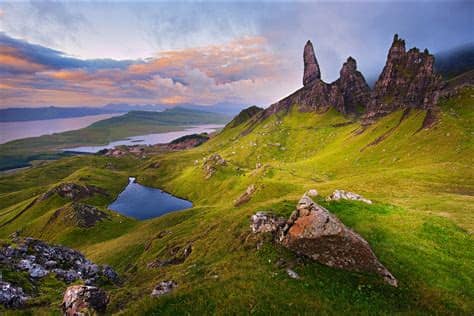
(311, 67)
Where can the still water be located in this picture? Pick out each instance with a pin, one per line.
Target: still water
(143, 202)
(149, 139)
(16, 130)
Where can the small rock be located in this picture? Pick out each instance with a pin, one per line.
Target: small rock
(10, 296)
(163, 288)
(292, 274)
(37, 271)
(84, 300)
(263, 222)
(346, 195)
(312, 193)
(110, 274)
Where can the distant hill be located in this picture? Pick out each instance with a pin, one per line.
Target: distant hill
(20, 152)
(48, 113)
(55, 112)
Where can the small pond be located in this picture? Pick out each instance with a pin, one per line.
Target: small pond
(143, 202)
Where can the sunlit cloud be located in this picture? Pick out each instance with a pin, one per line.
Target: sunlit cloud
(240, 71)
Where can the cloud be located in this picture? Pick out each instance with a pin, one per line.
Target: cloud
(240, 70)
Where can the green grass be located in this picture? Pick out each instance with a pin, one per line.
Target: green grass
(420, 225)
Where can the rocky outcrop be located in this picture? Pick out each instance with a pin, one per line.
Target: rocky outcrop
(408, 80)
(188, 141)
(346, 195)
(353, 87)
(246, 196)
(212, 164)
(73, 191)
(78, 215)
(177, 256)
(12, 296)
(163, 288)
(84, 300)
(311, 67)
(39, 259)
(314, 232)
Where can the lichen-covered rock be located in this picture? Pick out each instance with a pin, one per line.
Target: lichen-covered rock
(163, 288)
(211, 164)
(11, 296)
(84, 300)
(316, 233)
(346, 195)
(263, 222)
(311, 67)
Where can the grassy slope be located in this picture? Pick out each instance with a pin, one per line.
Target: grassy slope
(20, 152)
(420, 226)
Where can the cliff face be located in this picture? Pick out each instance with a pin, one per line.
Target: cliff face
(408, 80)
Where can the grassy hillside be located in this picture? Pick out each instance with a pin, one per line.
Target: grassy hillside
(20, 152)
(420, 225)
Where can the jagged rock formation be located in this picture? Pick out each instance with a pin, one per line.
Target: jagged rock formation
(353, 87)
(349, 94)
(246, 196)
(314, 232)
(408, 80)
(84, 300)
(311, 67)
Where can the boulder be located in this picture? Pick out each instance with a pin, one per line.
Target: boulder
(11, 296)
(84, 300)
(246, 196)
(346, 195)
(163, 288)
(314, 232)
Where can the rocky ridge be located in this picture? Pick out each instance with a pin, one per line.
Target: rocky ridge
(408, 80)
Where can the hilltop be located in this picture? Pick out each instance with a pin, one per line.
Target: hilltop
(324, 137)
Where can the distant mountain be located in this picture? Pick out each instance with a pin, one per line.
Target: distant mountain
(222, 108)
(455, 61)
(124, 107)
(55, 112)
(48, 113)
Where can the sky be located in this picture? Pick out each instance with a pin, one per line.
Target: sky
(95, 53)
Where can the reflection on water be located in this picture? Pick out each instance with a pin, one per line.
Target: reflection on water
(143, 202)
(16, 130)
(149, 139)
